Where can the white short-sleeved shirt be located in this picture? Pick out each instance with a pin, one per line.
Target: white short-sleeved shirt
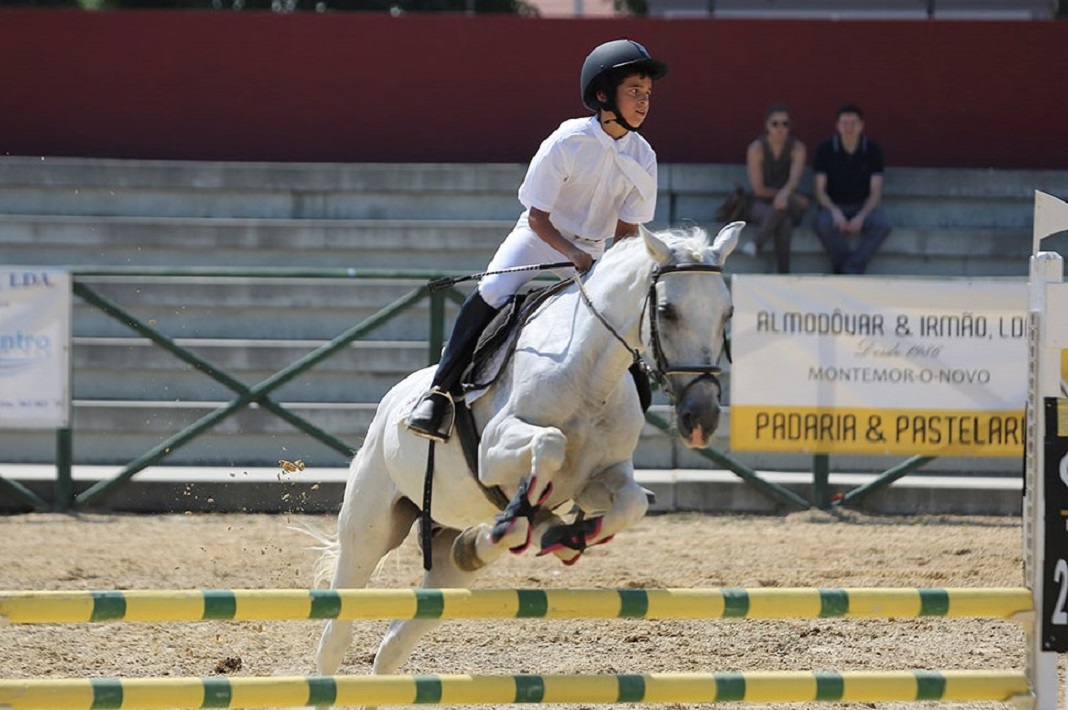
(586, 180)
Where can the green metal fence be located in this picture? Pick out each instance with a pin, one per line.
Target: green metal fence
(66, 499)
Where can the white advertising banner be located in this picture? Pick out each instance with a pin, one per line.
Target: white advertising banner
(35, 317)
(870, 365)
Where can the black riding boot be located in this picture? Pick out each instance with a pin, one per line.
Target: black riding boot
(433, 415)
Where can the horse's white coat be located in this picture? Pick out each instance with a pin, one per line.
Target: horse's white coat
(564, 412)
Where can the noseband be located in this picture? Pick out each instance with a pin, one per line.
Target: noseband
(663, 368)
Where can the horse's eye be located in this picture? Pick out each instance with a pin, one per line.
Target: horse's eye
(665, 311)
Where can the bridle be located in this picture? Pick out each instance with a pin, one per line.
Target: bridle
(663, 368)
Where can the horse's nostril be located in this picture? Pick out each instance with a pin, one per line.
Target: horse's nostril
(699, 410)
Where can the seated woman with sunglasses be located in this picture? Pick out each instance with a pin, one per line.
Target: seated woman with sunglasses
(775, 163)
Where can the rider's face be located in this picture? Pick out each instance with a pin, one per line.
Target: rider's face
(633, 97)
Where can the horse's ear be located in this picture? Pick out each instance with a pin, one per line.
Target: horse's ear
(657, 249)
(726, 240)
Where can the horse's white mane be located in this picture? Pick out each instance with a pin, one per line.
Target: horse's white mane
(687, 244)
(692, 243)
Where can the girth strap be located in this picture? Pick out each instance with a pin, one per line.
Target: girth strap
(469, 438)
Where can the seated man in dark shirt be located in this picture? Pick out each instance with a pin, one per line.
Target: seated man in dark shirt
(848, 171)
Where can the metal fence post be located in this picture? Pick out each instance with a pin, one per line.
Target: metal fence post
(64, 492)
(821, 466)
(437, 326)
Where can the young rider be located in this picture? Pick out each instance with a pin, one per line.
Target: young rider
(593, 179)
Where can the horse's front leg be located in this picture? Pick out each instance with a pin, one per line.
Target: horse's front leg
(616, 501)
(521, 457)
(404, 635)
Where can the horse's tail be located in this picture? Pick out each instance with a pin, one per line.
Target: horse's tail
(328, 548)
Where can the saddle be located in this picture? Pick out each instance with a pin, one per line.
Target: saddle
(497, 342)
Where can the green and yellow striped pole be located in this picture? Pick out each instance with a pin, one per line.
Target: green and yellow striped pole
(799, 686)
(35, 607)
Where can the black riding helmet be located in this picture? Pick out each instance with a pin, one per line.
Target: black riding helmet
(601, 72)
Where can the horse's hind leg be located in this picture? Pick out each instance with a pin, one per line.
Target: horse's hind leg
(370, 524)
(621, 499)
(404, 634)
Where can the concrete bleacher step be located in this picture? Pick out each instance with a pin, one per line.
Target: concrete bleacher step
(243, 176)
(298, 308)
(136, 369)
(71, 186)
(460, 245)
(119, 431)
(909, 252)
(194, 241)
(914, 197)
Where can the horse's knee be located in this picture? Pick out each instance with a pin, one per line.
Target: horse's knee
(631, 504)
(616, 494)
(549, 446)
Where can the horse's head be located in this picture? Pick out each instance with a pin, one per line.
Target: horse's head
(685, 332)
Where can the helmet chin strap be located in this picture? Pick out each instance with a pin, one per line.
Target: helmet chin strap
(611, 106)
(622, 121)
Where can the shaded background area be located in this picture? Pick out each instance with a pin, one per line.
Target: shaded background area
(365, 87)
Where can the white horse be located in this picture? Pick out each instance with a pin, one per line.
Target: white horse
(559, 428)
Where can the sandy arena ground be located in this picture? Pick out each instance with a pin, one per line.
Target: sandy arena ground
(809, 549)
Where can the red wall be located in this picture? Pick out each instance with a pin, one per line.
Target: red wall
(451, 88)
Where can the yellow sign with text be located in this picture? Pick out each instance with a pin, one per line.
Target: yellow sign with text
(877, 431)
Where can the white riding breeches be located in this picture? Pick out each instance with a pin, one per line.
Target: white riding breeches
(523, 247)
